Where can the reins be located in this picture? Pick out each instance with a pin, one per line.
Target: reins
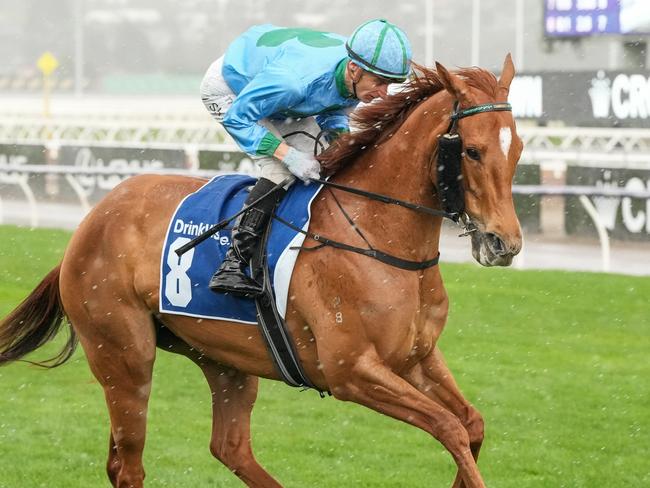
(370, 251)
(459, 217)
(368, 194)
(388, 200)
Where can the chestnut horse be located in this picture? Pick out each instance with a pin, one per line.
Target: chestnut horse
(365, 331)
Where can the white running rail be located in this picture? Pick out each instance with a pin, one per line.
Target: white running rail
(19, 175)
(628, 148)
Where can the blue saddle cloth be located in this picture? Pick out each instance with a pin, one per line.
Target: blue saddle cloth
(184, 280)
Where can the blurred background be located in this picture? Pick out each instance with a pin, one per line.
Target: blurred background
(92, 91)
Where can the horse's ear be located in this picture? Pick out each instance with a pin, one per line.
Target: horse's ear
(507, 74)
(454, 85)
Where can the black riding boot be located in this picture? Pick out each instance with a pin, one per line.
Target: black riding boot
(231, 277)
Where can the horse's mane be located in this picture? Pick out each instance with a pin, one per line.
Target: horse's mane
(378, 120)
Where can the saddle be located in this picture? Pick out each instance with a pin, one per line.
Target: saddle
(186, 269)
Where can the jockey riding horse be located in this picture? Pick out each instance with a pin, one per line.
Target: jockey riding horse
(273, 81)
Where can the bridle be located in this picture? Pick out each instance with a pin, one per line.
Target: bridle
(477, 109)
(449, 185)
(451, 154)
(450, 150)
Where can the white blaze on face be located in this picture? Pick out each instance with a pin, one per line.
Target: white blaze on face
(505, 138)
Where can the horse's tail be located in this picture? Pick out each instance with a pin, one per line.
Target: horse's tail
(34, 322)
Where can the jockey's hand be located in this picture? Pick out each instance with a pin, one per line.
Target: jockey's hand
(302, 165)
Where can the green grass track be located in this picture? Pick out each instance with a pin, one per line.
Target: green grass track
(557, 362)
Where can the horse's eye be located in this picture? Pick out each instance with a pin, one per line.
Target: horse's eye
(473, 153)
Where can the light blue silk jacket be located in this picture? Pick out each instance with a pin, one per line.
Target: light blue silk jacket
(279, 73)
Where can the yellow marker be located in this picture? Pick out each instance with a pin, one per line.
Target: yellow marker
(47, 63)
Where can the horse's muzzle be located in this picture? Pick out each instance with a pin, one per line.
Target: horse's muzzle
(489, 249)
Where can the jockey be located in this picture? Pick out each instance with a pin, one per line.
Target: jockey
(274, 81)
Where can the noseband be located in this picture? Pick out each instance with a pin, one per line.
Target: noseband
(449, 184)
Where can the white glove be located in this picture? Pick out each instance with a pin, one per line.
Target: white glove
(302, 165)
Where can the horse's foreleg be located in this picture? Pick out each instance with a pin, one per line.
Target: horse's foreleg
(233, 397)
(113, 464)
(433, 378)
(369, 382)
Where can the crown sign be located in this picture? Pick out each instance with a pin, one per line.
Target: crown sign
(601, 95)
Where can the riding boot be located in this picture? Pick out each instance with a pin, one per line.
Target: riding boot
(231, 277)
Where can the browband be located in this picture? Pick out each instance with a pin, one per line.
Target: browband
(477, 109)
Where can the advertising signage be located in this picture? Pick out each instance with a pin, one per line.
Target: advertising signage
(624, 217)
(586, 98)
(573, 18)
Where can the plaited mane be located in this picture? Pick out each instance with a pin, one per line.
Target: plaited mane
(378, 121)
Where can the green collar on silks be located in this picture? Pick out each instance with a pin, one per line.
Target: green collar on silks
(339, 77)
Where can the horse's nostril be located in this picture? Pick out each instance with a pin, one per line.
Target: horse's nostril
(496, 244)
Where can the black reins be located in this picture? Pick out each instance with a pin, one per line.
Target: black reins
(455, 116)
(368, 194)
(371, 252)
(388, 200)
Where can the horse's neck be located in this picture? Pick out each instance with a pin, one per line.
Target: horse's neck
(400, 167)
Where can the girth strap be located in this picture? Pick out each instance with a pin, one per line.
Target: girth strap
(274, 331)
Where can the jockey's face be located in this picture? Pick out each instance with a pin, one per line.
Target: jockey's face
(368, 85)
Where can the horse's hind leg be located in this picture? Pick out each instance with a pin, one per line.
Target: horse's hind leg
(233, 397)
(120, 346)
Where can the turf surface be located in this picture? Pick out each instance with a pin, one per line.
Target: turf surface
(556, 362)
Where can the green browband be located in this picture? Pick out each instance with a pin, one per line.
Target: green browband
(486, 107)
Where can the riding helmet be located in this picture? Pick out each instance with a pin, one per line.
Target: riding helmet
(382, 48)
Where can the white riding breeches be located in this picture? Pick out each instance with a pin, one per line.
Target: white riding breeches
(218, 98)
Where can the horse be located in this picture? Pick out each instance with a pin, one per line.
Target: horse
(365, 331)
